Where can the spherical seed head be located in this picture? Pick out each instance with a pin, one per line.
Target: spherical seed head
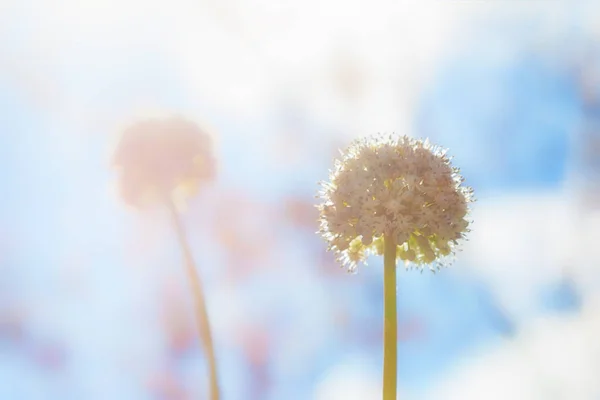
(158, 158)
(398, 187)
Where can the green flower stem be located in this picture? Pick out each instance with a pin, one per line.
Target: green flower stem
(390, 345)
(199, 302)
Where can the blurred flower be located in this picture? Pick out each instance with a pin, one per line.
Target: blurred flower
(177, 326)
(166, 160)
(167, 385)
(50, 355)
(12, 325)
(388, 185)
(300, 212)
(163, 157)
(239, 222)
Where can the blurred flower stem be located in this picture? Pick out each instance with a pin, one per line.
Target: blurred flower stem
(390, 351)
(199, 300)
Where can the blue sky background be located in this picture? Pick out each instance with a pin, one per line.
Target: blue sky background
(87, 281)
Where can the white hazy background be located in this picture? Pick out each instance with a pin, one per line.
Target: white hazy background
(282, 85)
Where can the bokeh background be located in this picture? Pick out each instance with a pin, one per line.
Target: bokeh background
(93, 298)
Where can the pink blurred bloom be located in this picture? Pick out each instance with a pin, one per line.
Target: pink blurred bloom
(162, 157)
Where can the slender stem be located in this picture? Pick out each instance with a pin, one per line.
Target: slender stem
(390, 345)
(200, 303)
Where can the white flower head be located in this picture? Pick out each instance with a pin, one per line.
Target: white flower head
(162, 157)
(389, 185)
